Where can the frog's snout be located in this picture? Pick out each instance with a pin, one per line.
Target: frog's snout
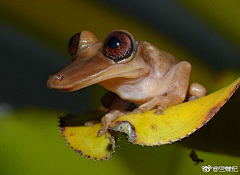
(53, 80)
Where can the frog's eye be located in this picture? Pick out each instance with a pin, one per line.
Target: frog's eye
(118, 45)
(73, 44)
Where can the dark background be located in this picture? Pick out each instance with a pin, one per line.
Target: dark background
(33, 45)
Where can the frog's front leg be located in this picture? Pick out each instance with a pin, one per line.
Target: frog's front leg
(117, 108)
(108, 118)
(175, 94)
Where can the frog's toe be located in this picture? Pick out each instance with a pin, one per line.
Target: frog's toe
(137, 111)
(91, 122)
(101, 132)
(192, 98)
(158, 111)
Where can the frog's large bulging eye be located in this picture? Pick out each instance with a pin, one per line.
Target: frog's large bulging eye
(118, 45)
(73, 44)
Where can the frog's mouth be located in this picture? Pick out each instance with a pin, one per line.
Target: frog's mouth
(94, 70)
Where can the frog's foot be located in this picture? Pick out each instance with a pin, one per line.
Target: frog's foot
(160, 103)
(108, 118)
(160, 110)
(146, 106)
(152, 104)
(91, 122)
(137, 111)
(195, 91)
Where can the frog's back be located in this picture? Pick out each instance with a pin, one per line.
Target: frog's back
(161, 62)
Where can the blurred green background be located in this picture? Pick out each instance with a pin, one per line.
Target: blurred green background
(34, 36)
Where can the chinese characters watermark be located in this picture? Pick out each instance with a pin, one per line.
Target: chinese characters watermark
(220, 169)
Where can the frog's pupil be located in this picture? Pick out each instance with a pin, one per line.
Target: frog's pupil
(70, 42)
(113, 43)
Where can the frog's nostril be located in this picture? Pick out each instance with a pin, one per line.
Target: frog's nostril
(54, 80)
(58, 77)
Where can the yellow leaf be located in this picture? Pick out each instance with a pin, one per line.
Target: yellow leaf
(148, 128)
(176, 122)
(85, 141)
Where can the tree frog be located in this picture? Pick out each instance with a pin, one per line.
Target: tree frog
(134, 71)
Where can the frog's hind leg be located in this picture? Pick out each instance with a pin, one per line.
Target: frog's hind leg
(195, 91)
(176, 93)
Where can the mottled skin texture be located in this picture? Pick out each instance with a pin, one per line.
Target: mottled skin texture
(150, 78)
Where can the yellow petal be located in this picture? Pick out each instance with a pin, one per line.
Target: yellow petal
(176, 122)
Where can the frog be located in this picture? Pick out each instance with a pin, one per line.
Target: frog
(139, 76)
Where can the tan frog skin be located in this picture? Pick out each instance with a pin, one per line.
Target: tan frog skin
(134, 70)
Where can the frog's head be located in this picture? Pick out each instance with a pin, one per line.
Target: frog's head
(119, 56)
